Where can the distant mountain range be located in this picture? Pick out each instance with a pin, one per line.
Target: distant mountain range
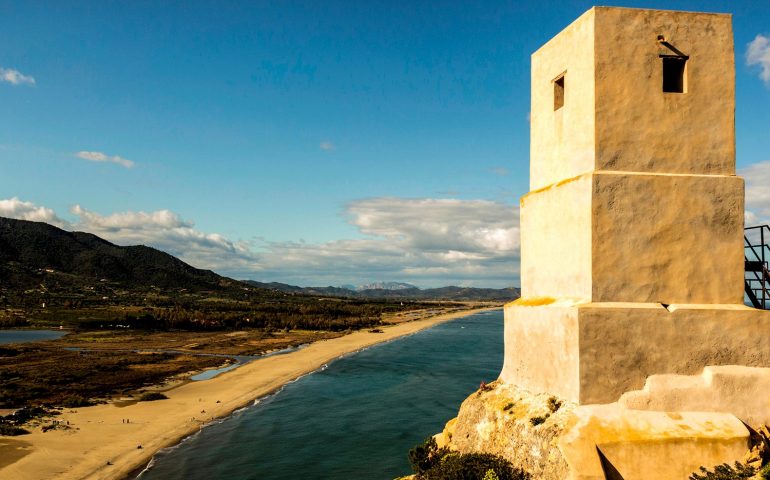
(34, 252)
(406, 291)
(382, 286)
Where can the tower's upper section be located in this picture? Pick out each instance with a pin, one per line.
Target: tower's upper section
(633, 90)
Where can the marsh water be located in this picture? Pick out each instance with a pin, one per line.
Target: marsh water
(357, 418)
(23, 336)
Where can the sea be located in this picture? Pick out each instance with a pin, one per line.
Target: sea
(355, 418)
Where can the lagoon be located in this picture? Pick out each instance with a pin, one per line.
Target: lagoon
(24, 336)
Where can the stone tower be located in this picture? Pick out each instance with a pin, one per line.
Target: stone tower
(632, 233)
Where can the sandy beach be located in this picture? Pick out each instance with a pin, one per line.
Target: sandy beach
(110, 442)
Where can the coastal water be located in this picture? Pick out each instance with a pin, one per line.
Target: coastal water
(355, 419)
(23, 336)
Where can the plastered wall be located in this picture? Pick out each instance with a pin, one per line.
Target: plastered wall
(628, 237)
(667, 238)
(616, 116)
(640, 128)
(562, 141)
(556, 241)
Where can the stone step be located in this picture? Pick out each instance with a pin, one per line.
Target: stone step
(611, 442)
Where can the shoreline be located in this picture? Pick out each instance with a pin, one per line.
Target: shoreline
(101, 445)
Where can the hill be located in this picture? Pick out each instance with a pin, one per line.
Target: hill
(49, 276)
(33, 253)
(31, 249)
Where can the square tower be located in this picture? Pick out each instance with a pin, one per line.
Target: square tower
(632, 233)
(632, 90)
(633, 161)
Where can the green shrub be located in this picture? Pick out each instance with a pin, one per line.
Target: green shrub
(764, 473)
(152, 396)
(424, 457)
(554, 404)
(491, 475)
(75, 401)
(8, 352)
(12, 430)
(725, 472)
(535, 421)
(26, 414)
(55, 425)
(473, 466)
(13, 321)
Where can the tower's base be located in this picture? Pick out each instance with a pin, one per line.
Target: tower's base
(598, 442)
(594, 352)
(666, 431)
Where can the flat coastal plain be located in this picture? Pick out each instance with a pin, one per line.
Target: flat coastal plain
(110, 441)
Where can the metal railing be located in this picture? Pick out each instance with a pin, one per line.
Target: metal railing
(756, 252)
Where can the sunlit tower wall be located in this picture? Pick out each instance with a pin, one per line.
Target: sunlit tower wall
(632, 233)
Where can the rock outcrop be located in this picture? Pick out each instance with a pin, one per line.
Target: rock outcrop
(521, 427)
(668, 430)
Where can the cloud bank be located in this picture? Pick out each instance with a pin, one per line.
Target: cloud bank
(104, 158)
(15, 77)
(15, 208)
(165, 230)
(758, 53)
(429, 242)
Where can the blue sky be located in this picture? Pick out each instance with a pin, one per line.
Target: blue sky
(320, 142)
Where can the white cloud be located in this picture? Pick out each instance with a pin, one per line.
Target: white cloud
(15, 208)
(501, 171)
(429, 242)
(101, 157)
(328, 146)
(15, 77)
(422, 241)
(759, 54)
(439, 224)
(165, 230)
(757, 178)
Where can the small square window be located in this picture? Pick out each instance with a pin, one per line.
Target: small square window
(673, 74)
(558, 93)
